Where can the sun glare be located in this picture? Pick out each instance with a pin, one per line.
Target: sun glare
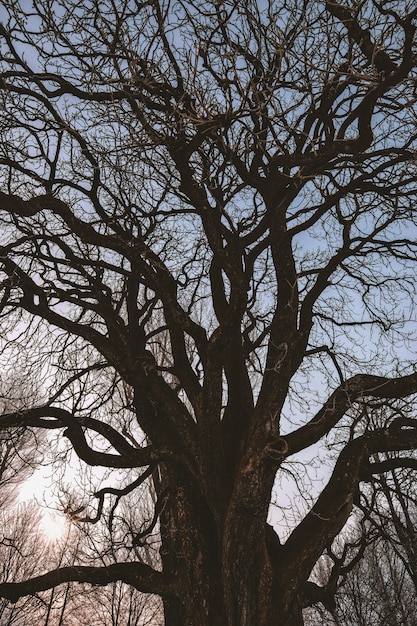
(53, 525)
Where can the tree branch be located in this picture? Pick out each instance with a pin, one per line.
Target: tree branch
(40, 417)
(381, 467)
(350, 391)
(333, 507)
(139, 575)
(362, 38)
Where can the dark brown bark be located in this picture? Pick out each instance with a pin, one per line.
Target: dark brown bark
(212, 206)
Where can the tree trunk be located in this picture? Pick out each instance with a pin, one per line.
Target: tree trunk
(226, 567)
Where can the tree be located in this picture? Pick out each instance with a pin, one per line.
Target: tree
(376, 590)
(208, 218)
(23, 554)
(20, 449)
(389, 511)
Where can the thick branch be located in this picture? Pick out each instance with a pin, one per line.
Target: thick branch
(333, 507)
(313, 594)
(357, 387)
(139, 575)
(388, 465)
(55, 417)
(362, 38)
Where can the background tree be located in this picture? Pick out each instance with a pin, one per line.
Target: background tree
(211, 207)
(375, 586)
(21, 449)
(377, 591)
(104, 542)
(24, 552)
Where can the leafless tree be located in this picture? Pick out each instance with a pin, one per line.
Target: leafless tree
(21, 450)
(104, 542)
(389, 509)
(207, 217)
(24, 551)
(377, 590)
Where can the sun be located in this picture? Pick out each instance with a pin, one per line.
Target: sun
(53, 525)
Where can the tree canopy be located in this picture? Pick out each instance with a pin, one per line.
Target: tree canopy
(207, 262)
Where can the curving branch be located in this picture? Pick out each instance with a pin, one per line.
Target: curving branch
(119, 493)
(54, 417)
(387, 465)
(140, 538)
(140, 576)
(353, 389)
(334, 505)
(362, 37)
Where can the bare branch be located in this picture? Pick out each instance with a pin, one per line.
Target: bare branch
(139, 575)
(357, 387)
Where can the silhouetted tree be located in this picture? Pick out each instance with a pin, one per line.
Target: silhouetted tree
(375, 588)
(23, 553)
(207, 218)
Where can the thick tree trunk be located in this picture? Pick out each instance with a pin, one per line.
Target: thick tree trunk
(252, 602)
(226, 569)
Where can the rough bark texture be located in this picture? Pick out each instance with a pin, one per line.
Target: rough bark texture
(205, 217)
